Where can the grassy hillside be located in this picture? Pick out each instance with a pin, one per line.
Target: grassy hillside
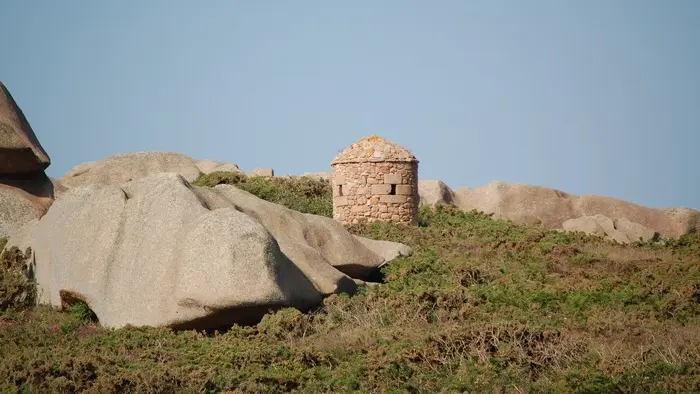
(482, 306)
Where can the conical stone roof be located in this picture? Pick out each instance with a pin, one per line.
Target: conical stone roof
(374, 149)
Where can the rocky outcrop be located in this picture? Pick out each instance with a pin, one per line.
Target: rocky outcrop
(551, 208)
(262, 171)
(25, 191)
(634, 231)
(118, 169)
(684, 220)
(386, 249)
(321, 247)
(621, 231)
(209, 166)
(431, 192)
(523, 204)
(158, 252)
(22, 199)
(665, 222)
(20, 150)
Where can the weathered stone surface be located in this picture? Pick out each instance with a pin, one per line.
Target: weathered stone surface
(405, 190)
(121, 168)
(605, 222)
(683, 221)
(393, 199)
(387, 249)
(159, 252)
(58, 188)
(661, 221)
(523, 204)
(373, 149)
(380, 189)
(311, 241)
(23, 198)
(16, 209)
(393, 179)
(209, 166)
(263, 171)
(618, 236)
(586, 224)
(432, 192)
(602, 226)
(20, 150)
(526, 204)
(634, 231)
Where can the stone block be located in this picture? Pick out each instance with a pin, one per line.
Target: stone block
(340, 201)
(404, 190)
(393, 199)
(359, 208)
(380, 189)
(338, 179)
(394, 179)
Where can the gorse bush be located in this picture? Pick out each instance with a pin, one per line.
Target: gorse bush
(482, 306)
(303, 194)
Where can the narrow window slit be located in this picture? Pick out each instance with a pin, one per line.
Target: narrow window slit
(393, 190)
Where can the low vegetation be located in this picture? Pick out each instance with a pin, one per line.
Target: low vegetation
(482, 306)
(303, 194)
(17, 288)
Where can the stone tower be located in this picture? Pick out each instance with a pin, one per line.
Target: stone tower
(375, 179)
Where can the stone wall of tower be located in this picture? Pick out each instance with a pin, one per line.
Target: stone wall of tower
(372, 191)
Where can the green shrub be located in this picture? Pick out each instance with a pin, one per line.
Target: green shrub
(303, 194)
(81, 312)
(17, 288)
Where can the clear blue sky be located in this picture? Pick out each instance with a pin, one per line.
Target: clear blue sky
(590, 97)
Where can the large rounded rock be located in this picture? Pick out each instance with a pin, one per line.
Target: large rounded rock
(321, 247)
(599, 225)
(526, 204)
(522, 204)
(158, 252)
(386, 249)
(634, 231)
(432, 192)
(122, 168)
(267, 172)
(20, 150)
(208, 166)
(585, 224)
(684, 220)
(668, 223)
